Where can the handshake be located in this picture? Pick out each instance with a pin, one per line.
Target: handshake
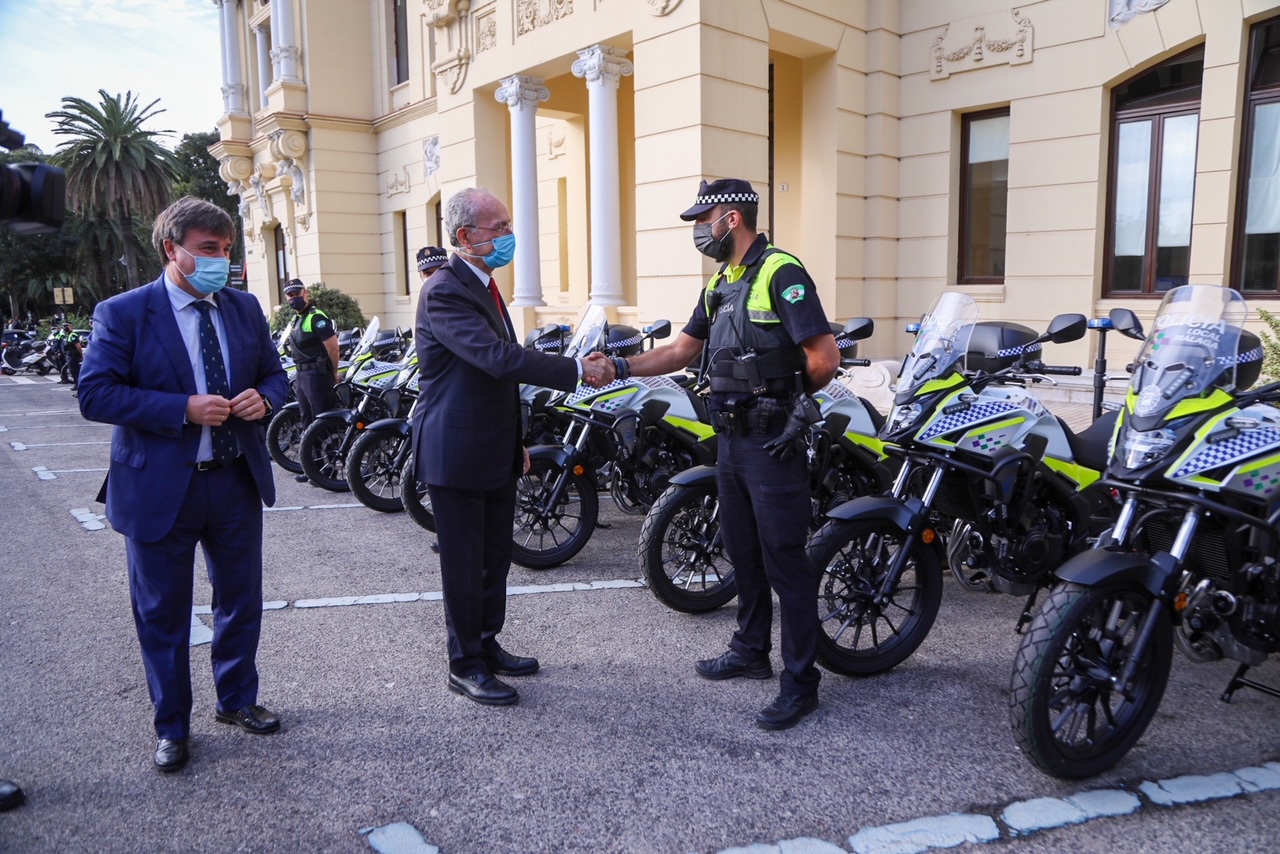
(598, 370)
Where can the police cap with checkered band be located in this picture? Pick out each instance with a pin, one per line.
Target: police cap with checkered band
(722, 192)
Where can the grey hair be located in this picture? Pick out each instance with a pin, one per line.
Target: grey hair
(461, 211)
(187, 213)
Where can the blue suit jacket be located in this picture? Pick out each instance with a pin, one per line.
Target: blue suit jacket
(466, 426)
(137, 376)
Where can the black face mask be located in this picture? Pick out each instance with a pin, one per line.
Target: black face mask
(717, 249)
(297, 303)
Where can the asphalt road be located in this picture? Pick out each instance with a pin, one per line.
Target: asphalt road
(616, 746)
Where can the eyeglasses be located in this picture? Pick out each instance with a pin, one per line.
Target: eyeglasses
(500, 228)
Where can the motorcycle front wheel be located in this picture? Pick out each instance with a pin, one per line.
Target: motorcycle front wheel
(42, 368)
(547, 534)
(860, 635)
(413, 494)
(320, 453)
(372, 473)
(284, 434)
(681, 555)
(1069, 714)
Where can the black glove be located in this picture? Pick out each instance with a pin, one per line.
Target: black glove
(803, 414)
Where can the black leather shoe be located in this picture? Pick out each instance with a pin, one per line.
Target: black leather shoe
(435, 546)
(484, 688)
(254, 719)
(731, 664)
(504, 663)
(301, 478)
(786, 711)
(10, 796)
(171, 755)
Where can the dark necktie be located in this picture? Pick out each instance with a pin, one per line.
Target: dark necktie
(215, 381)
(497, 301)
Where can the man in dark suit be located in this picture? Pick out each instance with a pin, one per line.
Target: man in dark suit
(188, 374)
(466, 430)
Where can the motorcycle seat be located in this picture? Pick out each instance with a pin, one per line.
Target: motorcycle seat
(1089, 447)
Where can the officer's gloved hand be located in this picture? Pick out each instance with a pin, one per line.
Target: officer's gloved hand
(803, 414)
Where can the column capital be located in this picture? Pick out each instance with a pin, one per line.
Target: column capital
(261, 28)
(519, 92)
(600, 62)
(219, 3)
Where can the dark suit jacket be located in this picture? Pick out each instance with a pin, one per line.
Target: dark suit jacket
(466, 426)
(137, 376)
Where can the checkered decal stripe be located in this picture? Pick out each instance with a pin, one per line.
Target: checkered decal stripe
(722, 198)
(657, 382)
(837, 390)
(1017, 351)
(587, 391)
(629, 342)
(1254, 355)
(1213, 456)
(973, 414)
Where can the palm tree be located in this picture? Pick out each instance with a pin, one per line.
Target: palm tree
(115, 168)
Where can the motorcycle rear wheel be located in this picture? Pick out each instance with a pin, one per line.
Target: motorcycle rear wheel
(372, 473)
(320, 453)
(542, 538)
(859, 635)
(413, 494)
(1068, 716)
(284, 436)
(43, 368)
(681, 556)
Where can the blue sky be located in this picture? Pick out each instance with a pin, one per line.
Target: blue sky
(165, 49)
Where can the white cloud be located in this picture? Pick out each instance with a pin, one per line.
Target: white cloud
(166, 50)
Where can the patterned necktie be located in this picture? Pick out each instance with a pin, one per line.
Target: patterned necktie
(215, 380)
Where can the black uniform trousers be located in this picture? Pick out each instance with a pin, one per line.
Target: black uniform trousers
(314, 389)
(764, 521)
(475, 558)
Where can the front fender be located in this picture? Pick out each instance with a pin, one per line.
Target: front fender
(346, 416)
(1098, 567)
(694, 476)
(394, 426)
(901, 512)
(562, 455)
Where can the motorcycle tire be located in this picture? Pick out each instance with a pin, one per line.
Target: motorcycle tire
(43, 368)
(858, 635)
(1068, 715)
(543, 539)
(7, 371)
(284, 437)
(372, 473)
(414, 497)
(681, 556)
(320, 453)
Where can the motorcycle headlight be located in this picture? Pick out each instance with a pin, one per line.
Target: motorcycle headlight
(903, 416)
(1137, 449)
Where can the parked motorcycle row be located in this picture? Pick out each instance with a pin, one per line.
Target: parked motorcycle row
(1157, 527)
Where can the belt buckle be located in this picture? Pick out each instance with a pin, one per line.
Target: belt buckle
(207, 465)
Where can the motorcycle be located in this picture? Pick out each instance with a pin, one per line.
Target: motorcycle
(26, 356)
(682, 554)
(377, 458)
(1193, 560)
(992, 485)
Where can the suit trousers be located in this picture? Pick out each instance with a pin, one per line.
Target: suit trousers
(223, 513)
(764, 522)
(473, 528)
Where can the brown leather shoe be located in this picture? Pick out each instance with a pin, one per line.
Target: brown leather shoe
(254, 719)
(171, 755)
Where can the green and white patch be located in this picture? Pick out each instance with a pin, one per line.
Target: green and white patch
(793, 294)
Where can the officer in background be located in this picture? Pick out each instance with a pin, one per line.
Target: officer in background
(72, 356)
(768, 344)
(314, 344)
(430, 259)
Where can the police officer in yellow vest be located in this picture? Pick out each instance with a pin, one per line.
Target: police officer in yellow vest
(767, 345)
(314, 345)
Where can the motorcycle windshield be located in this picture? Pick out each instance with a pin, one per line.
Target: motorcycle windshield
(590, 334)
(366, 340)
(940, 345)
(1191, 349)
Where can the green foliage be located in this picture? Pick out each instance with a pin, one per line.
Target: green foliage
(341, 308)
(200, 178)
(1270, 345)
(78, 321)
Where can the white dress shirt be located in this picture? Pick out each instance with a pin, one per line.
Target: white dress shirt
(188, 318)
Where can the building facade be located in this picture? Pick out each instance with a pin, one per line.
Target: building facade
(1048, 156)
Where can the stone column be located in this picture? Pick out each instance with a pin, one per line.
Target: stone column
(262, 34)
(284, 55)
(232, 86)
(602, 66)
(521, 95)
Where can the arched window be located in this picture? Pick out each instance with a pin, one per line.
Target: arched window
(1257, 231)
(1152, 177)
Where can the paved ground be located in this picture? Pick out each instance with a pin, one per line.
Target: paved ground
(615, 747)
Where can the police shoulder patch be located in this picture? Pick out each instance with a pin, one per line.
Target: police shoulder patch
(321, 323)
(793, 294)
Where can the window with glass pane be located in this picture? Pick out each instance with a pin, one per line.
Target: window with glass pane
(1257, 238)
(984, 196)
(400, 34)
(1153, 177)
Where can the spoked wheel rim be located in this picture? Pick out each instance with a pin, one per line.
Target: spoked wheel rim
(380, 473)
(539, 528)
(323, 459)
(693, 558)
(853, 618)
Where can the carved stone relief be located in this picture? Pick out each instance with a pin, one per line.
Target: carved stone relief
(486, 33)
(531, 14)
(431, 155)
(453, 19)
(1124, 10)
(398, 182)
(995, 39)
(662, 7)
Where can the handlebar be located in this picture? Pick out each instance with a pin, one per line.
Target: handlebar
(1059, 370)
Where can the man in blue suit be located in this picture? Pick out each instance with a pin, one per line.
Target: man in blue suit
(188, 374)
(466, 430)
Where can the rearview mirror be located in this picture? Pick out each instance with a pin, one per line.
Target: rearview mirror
(1066, 327)
(1124, 321)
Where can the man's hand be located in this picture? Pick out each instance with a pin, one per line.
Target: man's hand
(248, 405)
(794, 436)
(527, 463)
(208, 410)
(597, 370)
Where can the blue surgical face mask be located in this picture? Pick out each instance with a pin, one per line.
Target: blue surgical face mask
(504, 249)
(210, 274)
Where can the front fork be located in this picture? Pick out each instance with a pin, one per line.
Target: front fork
(576, 437)
(914, 528)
